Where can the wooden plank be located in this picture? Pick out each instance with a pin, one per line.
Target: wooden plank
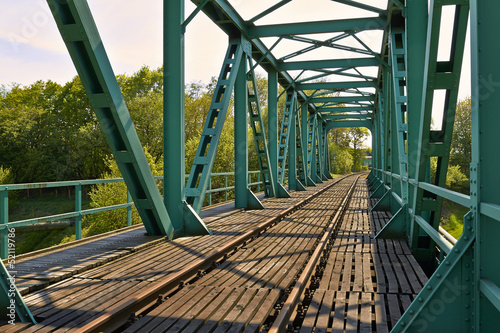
(394, 308)
(365, 318)
(351, 321)
(309, 321)
(324, 312)
(339, 312)
(265, 309)
(380, 314)
(209, 310)
(250, 310)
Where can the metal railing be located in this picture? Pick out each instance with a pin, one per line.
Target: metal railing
(78, 213)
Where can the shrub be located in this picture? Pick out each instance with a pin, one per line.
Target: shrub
(110, 194)
(343, 162)
(6, 176)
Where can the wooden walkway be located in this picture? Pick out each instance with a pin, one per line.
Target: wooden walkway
(360, 285)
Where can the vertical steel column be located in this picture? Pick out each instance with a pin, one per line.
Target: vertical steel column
(484, 175)
(292, 148)
(78, 208)
(304, 115)
(416, 45)
(272, 125)
(173, 111)
(241, 136)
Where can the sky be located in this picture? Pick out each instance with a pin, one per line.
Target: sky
(31, 47)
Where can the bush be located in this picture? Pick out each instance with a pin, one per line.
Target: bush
(456, 180)
(6, 176)
(343, 162)
(110, 194)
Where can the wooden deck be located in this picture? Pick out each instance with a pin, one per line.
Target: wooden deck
(360, 284)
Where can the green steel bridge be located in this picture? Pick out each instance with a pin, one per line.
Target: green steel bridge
(396, 103)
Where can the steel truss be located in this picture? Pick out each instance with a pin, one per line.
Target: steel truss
(463, 294)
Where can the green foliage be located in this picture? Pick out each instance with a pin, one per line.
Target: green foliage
(460, 152)
(455, 179)
(110, 194)
(6, 176)
(452, 218)
(343, 162)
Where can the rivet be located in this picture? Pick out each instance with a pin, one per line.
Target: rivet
(429, 287)
(403, 323)
(420, 299)
(438, 276)
(466, 238)
(447, 263)
(467, 319)
(412, 312)
(467, 306)
(457, 251)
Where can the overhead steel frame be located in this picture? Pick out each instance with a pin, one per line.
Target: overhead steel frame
(398, 115)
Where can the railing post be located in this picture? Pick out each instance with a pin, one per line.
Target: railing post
(258, 181)
(129, 209)
(78, 209)
(210, 191)
(4, 219)
(225, 187)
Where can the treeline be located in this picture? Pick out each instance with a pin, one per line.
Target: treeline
(347, 149)
(50, 133)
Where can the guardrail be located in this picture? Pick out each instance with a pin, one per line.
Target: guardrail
(79, 212)
(443, 239)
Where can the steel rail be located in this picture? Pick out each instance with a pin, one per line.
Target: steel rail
(286, 311)
(119, 314)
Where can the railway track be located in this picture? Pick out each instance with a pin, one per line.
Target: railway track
(142, 298)
(227, 275)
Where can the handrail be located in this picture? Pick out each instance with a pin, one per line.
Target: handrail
(79, 212)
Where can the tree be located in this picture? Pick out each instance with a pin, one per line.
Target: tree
(460, 151)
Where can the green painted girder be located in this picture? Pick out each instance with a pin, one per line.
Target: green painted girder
(299, 151)
(78, 29)
(316, 44)
(399, 78)
(326, 43)
(348, 117)
(302, 28)
(362, 6)
(349, 123)
(484, 175)
(332, 63)
(269, 10)
(12, 306)
(342, 99)
(201, 169)
(311, 143)
(335, 85)
(259, 133)
(283, 143)
(426, 139)
(339, 109)
(223, 14)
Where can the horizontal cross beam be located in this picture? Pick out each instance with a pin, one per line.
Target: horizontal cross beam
(302, 28)
(333, 63)
(335, 85)
(342, 99)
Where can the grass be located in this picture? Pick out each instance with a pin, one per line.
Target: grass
(452, 218)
